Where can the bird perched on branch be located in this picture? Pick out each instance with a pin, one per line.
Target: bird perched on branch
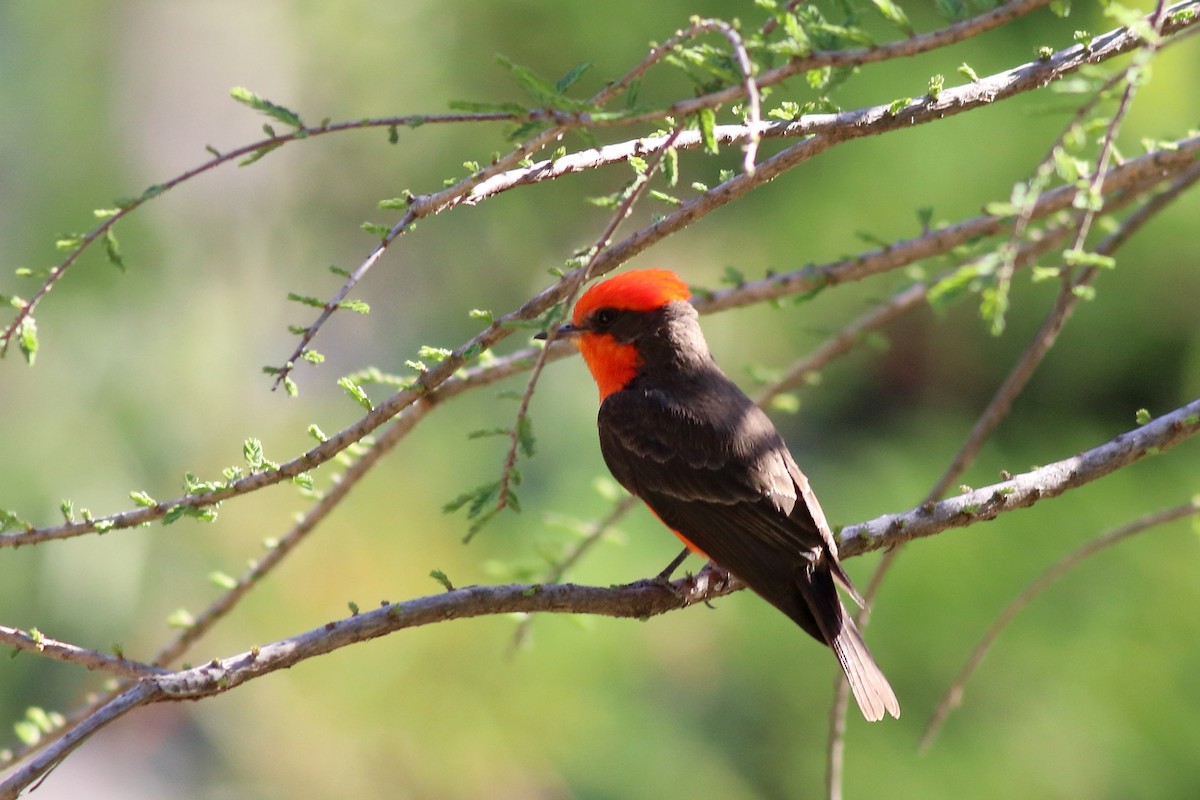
(676, 432)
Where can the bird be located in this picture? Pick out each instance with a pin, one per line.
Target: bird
(709, 463)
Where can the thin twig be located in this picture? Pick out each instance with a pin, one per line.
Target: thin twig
(952, 698)
(575, 281)
(35, 642)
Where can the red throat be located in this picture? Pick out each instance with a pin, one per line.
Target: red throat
(612, 364)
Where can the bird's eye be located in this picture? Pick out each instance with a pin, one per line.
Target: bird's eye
(604, 317)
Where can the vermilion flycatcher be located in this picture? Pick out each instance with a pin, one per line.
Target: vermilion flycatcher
(681, 436)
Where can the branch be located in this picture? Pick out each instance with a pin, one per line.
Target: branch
(1023, 490)
(953, 696)
(1142, 172)
(33, 641)
(637, 600)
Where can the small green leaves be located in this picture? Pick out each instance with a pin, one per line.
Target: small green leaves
(397, 203)
(9, 521)
(525, 438)
(273, 110)
(707, 119)
(69, 241)
(142, 499)
(895, 15)
(1082, 258)
(382, 231)
(936, 84)
(899, 105)
(966, 69)
(483, 503)
(252, 451)
(222, 580)
(574, 74)
(1061, 8)
(181, 618)
(27, 339)
(434, 354)
(315, 432)
(37, 723)
(305, 300)
(543, 92)
(953, 10)
(441, 578)
(1142, 416)
(356, 392)
(113, 250)
(259, 153)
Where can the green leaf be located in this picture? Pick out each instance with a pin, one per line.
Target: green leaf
(356, 392)
(1142, 416)
(142, 499)
(953, 10)
(252, 451)
(9, 521)
(936, 84)
(434, 354)
(895, 15)
(259, 153)
(576, 72)
(273, 110)
(306, 300)
(525, 438)
(966, 69)
(540, 90)
(69, 241)
(222, 580)
(707, 119)
(382, 231)
(27, 339)
(181, 618)
(113, 250)
(441, 578)
(953, 286)
(670, 166)
(1082, 258)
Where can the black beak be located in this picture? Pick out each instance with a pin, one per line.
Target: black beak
(566, 331)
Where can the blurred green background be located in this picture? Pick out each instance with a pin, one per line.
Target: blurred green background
(148, 374)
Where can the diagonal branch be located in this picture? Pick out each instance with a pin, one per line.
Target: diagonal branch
(1141, 172)
(637, 600)
(953, 696)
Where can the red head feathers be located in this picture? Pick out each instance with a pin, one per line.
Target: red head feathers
(639, 290)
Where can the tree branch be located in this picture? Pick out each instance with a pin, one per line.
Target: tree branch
(637, 600)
